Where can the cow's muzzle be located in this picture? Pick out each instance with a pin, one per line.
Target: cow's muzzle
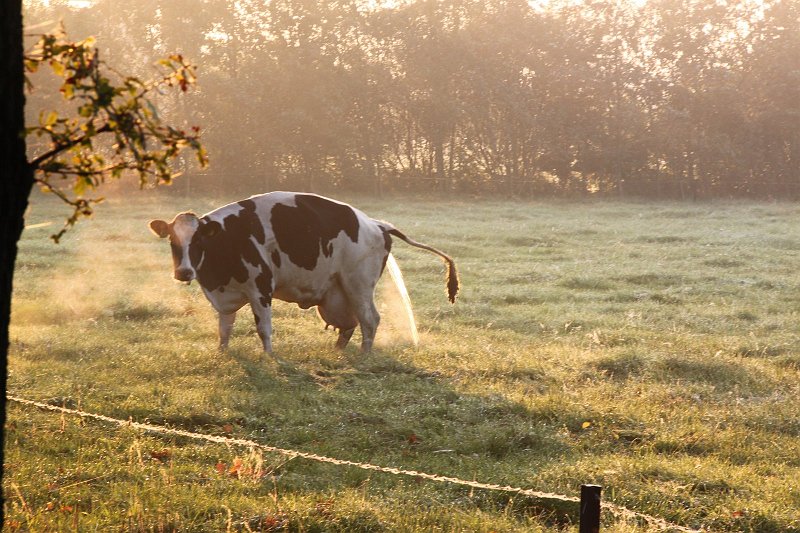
(184, 274)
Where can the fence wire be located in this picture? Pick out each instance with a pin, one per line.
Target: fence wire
(617, 510)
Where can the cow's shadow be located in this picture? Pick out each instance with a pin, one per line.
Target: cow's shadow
(382, 406)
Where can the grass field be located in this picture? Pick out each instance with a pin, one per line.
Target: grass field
(653, 349)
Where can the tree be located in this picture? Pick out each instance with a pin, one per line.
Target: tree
(114, 129)
(16, 180)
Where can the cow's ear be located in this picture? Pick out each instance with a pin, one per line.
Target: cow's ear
(210, 228)
(159, 227)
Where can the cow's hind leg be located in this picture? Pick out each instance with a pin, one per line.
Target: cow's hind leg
(369, 318)
(359, 294)
(263, 316)
(344, 337)
(226, 321)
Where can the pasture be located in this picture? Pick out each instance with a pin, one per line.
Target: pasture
(652, 348)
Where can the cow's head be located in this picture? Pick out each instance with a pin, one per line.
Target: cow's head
(186, 233)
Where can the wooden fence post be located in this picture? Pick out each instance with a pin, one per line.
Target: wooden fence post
(590, 509)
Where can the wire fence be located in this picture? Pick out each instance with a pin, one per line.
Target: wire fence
(617, 510)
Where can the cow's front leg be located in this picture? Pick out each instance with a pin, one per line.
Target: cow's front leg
(226, 321)
(263, 316)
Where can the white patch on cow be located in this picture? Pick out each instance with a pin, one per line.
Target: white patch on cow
(308, 287)
(227, 301)
(184, 227)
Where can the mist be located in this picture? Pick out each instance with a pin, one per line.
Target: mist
(660, 99)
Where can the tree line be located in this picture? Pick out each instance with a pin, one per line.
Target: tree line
(658, 98)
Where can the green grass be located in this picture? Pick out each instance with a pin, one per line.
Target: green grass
(650, 348)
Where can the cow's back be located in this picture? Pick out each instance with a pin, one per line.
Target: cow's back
(305, 239)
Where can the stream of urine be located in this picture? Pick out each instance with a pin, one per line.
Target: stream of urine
(397, 277)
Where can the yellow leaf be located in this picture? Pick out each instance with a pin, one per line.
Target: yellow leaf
(586, 425)
(51, 119)
(68, 90)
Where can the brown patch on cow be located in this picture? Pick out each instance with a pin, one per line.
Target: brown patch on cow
(220, 252)
(264, 286)
(302, 232)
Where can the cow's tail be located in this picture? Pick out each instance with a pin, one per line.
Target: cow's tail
(452, 274)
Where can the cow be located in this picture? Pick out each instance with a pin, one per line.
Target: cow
(296, 247)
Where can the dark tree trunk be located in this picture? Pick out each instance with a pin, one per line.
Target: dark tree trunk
(16, 177)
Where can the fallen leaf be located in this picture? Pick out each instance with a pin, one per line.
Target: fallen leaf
(221, 467)
(161, 454)
(236, 467)
(325, 507)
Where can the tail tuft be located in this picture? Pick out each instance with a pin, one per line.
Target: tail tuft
(452, 281)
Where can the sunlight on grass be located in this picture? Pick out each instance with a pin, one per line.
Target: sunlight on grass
(652, 349)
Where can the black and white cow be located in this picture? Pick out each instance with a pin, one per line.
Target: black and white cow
(295, 247)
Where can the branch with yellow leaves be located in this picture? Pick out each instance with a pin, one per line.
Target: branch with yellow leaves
(112, 127)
